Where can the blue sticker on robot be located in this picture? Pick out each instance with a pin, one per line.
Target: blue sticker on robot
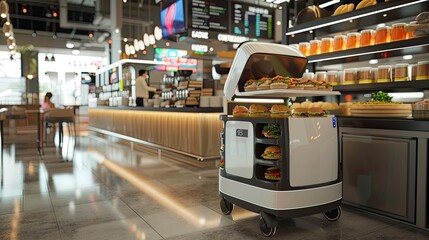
(334, 122)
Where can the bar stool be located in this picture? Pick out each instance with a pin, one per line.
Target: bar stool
(60, 116)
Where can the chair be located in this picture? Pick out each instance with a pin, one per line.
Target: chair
(61, 116)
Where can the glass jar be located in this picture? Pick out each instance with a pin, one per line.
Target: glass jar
(332, 77)
(320, 76)
(353, 40)
(413, 68)
(401, 72)
(410, 32)
(398, 32)
(304, 47)
(340, 43)
(384, 73)
(308, 75)
(314, 47)
(364, 75)
(349, 76)
(327, 45)
(422, 70)
(367, 38)
(382, 35)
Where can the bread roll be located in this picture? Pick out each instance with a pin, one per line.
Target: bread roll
(306, 104)
(350, 7)
(366, 3)
(335, 105)
(327, 106)
(295, 105)
(339, 9)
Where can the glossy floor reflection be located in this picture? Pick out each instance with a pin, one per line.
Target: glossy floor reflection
(99, 189)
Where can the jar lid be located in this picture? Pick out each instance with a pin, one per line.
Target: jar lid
(399, 25)
(385, 66)
(326, 39)
(423, 62)
(382, 27)
(315, 41)
(367, 30)
(353, 34)
(321, 72)
(349, 70)
(402, 65)
(332, 72)
(339, 36)
(365, 69)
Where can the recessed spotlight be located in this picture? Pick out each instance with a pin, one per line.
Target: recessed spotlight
(69, 45)
(407, 57)
(75, 52)
(125, 39)
(279, 23)
(373, 61)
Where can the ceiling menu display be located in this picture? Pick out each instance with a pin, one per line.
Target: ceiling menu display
(209, 15)
(252, 21)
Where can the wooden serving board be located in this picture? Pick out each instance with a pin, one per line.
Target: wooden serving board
(381, 106)
(381, 111)
(382, 115)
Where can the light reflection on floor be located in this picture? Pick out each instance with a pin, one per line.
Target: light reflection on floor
(93, 189)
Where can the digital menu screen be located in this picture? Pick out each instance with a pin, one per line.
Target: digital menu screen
(209, 15)
(252, 21)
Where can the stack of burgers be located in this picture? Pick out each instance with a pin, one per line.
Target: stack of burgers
(260, 111)
(272, 153)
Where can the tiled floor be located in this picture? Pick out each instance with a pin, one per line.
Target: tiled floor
(99, 190)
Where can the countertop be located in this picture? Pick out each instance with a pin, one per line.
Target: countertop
(408, 124)
(185, 109)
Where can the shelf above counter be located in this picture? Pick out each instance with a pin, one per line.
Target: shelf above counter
(405, 86)
(398, 48)
(286, 93)
(367, 14)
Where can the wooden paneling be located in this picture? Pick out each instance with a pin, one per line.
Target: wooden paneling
(195, 133)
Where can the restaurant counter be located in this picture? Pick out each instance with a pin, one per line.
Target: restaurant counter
(385, 166)
(194, 132)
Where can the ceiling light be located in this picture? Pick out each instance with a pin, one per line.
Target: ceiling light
(158, 33)
(326, 4)
(13, 52)
(34, 34)
(11, 37)
(52, 58)
(119, 51)
(125, 39)
(407, 57)
(124, 1)
(141, 45)
(91, 35)
(46, 58)
(279, 23)
(152, 39)
(4, 9)
(373, 61)
(117, 30)
(146, 39)
(75, 52)
(132, 49)
(54, 14)
(30, 76)
(127, 49)
(69, 45)
(10, 47)
(136, 44)
(54, 36)
(211, 49)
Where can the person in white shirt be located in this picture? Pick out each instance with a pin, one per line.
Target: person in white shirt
(143, 89)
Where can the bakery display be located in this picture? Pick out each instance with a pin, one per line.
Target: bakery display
(344, 9)
(366, 3)
(380, 105)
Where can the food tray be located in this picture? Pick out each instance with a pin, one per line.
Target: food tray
(283, 93)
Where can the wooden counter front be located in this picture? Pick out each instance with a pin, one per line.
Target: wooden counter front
(190, 132)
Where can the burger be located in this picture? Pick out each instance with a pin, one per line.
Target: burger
(272, 173)
(272, 153)
(316, 112)
(296, 84)
(322, 85)
(279, 111)
(256, 110)
(279, 82)
(271, 130)
(264, 83)
(299, 112)
(240, 111)
(250, 85)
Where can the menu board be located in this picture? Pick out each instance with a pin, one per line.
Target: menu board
(252, 21)
(209, 15)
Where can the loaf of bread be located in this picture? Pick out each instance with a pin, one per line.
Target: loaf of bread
(344, 9)
(366, 3)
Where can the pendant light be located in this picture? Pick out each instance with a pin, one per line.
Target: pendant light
(127, 49)
(146, 39)
(158, 33)
(4, 9)
(136, 44)
(152, 39)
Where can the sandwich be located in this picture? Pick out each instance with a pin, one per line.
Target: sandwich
(271, 130)
(264, 83)
(296, 84)
(322, 85)
(279, 111)
(299, 112)
(279, 82)
(256, 110)
(240, 111)
(272, 153)
(250, 85)
(272, 173)
(316, 112)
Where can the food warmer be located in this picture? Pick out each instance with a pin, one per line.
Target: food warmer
(311, 176)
